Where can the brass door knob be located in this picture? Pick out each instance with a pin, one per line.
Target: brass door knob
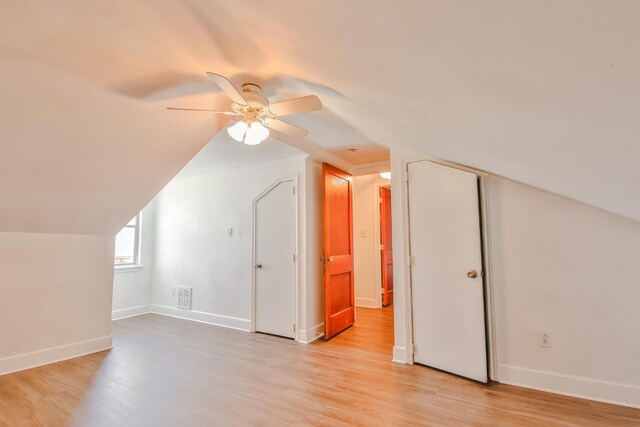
(472, 274)
(258, 265)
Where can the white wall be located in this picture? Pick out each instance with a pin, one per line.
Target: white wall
(313, 241)
(401, 289)
(132, 287)
(56, 297)
(192, 246)
(209, 202)
(571, 270)
(559, 266)
(366, 239)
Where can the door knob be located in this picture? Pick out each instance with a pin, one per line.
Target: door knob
(258, 265)
(330, 259)
(472, 274)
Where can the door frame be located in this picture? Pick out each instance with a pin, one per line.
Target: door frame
(404, 353)
(296, 291)
(377, 257)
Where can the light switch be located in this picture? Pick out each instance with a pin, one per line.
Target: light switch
(230, 232)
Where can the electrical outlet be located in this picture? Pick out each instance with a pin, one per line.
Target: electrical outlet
(544, 339)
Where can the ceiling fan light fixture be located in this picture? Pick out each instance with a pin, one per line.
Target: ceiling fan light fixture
(259, 130)
(256, 133)
(238, 130)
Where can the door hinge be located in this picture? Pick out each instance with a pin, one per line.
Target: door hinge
(294, 328)
(412, 260)
(414, 348)
(406, 177)
(294, 257)
(294, 191)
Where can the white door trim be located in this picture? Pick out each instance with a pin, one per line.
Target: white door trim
(404, 313)
(489, 308)
(287, 178)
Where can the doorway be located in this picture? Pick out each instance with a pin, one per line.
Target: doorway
(275, 243)
(386, 245)
(371, 256)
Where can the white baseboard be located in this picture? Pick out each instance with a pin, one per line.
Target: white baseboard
(400, 355)
(366, 302)
(123, 313)
(308, 336)
(585, 388)
(203, 317)
(53, 354)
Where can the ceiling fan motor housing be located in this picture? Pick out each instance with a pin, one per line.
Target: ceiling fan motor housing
(256, 108)
(251, 93)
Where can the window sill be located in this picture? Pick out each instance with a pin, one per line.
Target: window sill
(127, 268)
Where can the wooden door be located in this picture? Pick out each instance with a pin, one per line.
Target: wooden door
(275, 269)
(337, 201)
(446, 270)
(386, 246)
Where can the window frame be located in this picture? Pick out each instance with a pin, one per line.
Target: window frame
(137, 248)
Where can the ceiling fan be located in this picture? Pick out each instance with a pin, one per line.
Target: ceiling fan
(258, 116)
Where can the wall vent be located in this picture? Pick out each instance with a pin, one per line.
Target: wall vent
(184, 298)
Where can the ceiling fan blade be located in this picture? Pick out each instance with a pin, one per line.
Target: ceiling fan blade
(227, 88)
(296, 105)
(286, 128)
(227, 113)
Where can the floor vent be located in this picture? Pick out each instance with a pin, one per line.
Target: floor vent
(184, 298)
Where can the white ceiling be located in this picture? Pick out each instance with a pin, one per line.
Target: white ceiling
(540, 91)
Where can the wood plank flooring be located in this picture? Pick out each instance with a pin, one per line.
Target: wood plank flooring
(169, 372)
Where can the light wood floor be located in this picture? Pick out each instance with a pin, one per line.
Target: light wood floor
(169, 372)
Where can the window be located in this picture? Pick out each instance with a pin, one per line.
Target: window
(128, 244)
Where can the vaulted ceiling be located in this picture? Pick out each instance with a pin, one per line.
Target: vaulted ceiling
(543, 92)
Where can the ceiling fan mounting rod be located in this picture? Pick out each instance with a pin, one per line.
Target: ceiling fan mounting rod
(251, 87)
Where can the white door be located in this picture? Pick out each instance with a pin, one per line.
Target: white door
(448, 301)
(275, 240)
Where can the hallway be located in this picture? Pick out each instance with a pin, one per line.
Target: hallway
(370, 337)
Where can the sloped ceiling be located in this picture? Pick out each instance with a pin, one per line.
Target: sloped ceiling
(543, 92)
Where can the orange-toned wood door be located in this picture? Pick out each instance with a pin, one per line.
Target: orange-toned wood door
(337, 203)
(386, 246)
